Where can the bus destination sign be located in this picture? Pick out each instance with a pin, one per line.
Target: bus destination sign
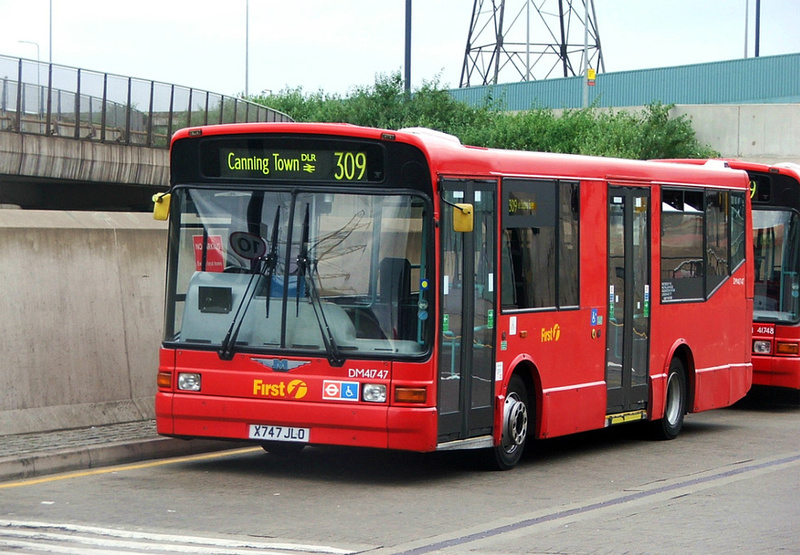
(306, 165)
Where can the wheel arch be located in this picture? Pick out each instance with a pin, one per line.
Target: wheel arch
(683, 352)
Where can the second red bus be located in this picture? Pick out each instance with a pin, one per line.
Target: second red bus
(775, 197)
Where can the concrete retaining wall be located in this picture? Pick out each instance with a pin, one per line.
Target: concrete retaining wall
(768, 133)
(81, 315)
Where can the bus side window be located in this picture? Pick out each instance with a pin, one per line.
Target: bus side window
(540, 244)
(508, 291)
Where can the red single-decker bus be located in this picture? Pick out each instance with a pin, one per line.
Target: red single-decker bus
(330, 284)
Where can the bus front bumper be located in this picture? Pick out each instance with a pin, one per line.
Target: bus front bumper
(351, 424)
(776, 371)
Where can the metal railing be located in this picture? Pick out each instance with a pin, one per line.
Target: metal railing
(49, 99)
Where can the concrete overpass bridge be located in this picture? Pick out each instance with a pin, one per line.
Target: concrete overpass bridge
(75, 139)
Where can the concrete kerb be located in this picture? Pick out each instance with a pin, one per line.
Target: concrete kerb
(34, 465)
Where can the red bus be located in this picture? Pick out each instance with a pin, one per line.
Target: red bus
(775, 197)
(337, 285)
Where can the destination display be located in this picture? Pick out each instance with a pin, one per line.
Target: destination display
(760, 190)
(344, 163)
(521, 203)
(529, 203)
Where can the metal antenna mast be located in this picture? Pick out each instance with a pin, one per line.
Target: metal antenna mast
(529, 40)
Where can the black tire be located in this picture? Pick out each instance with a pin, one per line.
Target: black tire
(282, 448)
(516, 426)
(670, 425)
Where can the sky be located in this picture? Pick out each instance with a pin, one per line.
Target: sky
(337, 45)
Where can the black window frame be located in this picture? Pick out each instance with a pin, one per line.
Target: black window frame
(540, 204)
(685, 200)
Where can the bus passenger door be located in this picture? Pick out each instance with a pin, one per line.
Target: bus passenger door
(467, 283)
(629, 297)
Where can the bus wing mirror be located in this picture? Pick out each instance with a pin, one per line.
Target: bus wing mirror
(463, 219)
(161, 206)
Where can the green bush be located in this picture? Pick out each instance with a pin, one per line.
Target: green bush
(643, 135)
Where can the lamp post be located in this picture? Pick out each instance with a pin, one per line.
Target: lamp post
(247, 49)
(36, 44)
(408, 49)
(758, 27)
(38, 81)
(50, 42)
(746, 24)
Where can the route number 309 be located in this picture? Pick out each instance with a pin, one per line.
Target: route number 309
(350, 166)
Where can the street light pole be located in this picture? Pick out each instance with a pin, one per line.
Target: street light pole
(38, 73)
(758, 26)
(36, 44)
(746, 24)
(246, 49)
(408, 48)
(50, 42)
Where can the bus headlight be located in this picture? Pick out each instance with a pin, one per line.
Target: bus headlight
(761, 347)
(189, 381)
(373, 393)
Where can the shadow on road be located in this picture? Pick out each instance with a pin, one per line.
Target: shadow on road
(770, 399)
(330, 464)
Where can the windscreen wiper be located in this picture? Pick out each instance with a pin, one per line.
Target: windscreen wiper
(226, 348)
(305, 268)
(302, 262)
(265, 264)
(272, 257)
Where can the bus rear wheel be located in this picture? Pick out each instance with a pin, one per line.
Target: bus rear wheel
(516, 425)
(670, 425)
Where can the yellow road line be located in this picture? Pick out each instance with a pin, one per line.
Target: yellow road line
(121, 468)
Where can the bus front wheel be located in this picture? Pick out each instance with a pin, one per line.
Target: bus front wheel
(670, 425)
(515, 426)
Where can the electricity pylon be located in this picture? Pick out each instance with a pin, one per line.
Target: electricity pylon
(529, 40)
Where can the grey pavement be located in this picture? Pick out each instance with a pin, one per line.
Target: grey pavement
(32, 455)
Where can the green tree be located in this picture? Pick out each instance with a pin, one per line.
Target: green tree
(645, 134)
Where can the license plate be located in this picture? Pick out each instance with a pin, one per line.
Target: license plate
(279, 433)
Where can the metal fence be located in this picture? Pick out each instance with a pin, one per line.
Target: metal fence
(60, 101)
